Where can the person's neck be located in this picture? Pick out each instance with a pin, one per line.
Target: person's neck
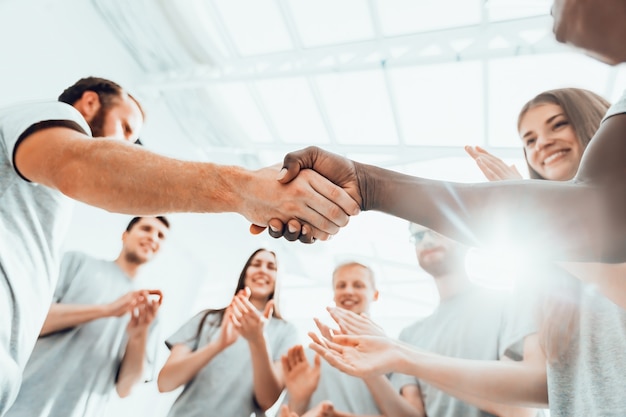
(258, 303)
(130, 268)
(452, 284)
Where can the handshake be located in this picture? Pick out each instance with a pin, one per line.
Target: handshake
(338, 189)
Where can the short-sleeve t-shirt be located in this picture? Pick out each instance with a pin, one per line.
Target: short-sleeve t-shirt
(224, 386)
(83, 361)
(471, 325)
(33, 223)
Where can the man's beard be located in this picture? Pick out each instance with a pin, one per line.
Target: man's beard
(132, 258)
(97, 123)
(449, 262)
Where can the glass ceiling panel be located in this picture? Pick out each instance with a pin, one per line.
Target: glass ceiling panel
(237, 99)
(410, 16)
(514, 81)
(324, 22)
(440, 105)
(514, 9)
(196, 23)
(358, 107)
(292, 108)
(256, 26)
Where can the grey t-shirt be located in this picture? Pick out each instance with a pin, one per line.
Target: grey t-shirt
(618, 107)
(347, 393)
(591, 381)
(471, 325)
(224, 386)
(33, 222)
(72, 373)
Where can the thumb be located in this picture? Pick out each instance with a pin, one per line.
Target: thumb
(296, 161)
(255, 229)
(269, 309)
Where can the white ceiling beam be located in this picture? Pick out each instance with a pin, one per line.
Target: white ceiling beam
(498, 39)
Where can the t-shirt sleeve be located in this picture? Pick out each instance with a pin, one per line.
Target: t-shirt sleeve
(18, 122)
(188, 334)
(70, 267)
(519, 321)
(618, 107)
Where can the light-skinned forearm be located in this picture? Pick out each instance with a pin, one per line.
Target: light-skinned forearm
(65, 316)
(299, 405)
(132, 365)
(389, 400)
(511, 383)
(123, 178)
(267, 383)
(182, 368)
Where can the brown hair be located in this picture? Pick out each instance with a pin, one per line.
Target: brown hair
(135, 220)
(584, 110)
(108, 92)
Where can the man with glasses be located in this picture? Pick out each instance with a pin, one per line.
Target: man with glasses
(470, 322)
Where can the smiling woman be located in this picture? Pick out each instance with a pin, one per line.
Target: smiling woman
(228, 359)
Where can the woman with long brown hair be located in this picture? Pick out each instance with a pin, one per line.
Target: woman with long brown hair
(229, 359)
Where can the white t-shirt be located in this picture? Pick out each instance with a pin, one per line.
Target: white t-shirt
(33, 222)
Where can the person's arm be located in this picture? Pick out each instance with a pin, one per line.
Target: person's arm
(522, 384)
(515, 390)
(64, 316)
(267, 375)
(132, 365)
(301, 379)
(120, 177)
(183, 364)
(390, 402)
(578, 220)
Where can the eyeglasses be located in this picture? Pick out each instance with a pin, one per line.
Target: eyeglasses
(418, 236)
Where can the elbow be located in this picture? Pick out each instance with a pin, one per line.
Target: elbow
(266, 404)
(163, 387)
(123, 391)
(164, 384)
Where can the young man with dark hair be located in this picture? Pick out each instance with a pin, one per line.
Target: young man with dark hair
(100, 330)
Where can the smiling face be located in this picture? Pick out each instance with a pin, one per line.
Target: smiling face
(354, 288)
(143, 241)
(260, 276)
(550, 142)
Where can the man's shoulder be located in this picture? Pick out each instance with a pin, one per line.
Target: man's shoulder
(43, 111)
(619, 107)
(74, 257)
(412, 328)
(40, 107)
